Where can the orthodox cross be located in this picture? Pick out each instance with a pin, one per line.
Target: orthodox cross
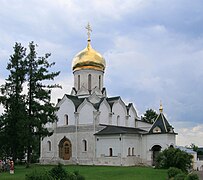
(88, 27)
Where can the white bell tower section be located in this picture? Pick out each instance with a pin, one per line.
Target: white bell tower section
(88, 69)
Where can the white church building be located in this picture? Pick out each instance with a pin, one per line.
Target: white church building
(94, 129)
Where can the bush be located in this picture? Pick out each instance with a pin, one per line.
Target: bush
(172, 172)
(76, 176)
(173, 157)
(80, 177)
(180, 176)
(58, 173)
(38, 175)
(192, 176)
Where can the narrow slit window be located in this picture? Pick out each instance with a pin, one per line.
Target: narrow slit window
(128, 151)
(49, 145)
(133, 153)
(84, 145)
(110, 152)
(89, 81)
(66, 119)
(78, 82)
(100, 82)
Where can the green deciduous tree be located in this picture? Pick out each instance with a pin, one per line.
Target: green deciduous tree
(174, 157)
(194, 147)
(150, 116)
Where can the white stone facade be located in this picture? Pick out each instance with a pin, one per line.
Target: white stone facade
(93, 129)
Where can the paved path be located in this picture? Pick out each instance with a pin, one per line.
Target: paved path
(200, 174)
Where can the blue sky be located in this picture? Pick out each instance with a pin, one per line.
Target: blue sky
(154, 48)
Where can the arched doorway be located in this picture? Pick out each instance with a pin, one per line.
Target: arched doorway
(155, 151)
(65, 149)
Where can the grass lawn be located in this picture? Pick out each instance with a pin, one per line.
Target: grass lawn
(95, 172)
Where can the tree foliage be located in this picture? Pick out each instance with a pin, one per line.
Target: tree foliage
(40, 109)
(13, 100)
(174, 157)
(172, 172)
(194, 147)
(26, 112)
(56, 173)
(150, 116)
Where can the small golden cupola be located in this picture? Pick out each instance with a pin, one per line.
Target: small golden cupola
(161, 108)
(88, 58)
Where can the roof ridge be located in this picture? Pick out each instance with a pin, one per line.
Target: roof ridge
(164, 122)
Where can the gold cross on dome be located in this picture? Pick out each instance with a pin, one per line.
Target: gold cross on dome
(88, 27)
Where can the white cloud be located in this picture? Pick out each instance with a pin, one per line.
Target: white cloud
(154, 48)
(66, 83)
(187, 136)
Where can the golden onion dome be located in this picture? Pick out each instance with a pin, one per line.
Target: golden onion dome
(88, 59)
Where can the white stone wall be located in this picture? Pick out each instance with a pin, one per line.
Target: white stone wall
(143, 125)
(118, 161)
(85, 111)
(79, 155)
(84, 78)
(131, 118)
(148, 141)
(120, 145)
(119, 113)
(66, 106)
(105, 142)
(131, 141)
(198, 165)
(45, 153)
(86, 118)
(104, 109)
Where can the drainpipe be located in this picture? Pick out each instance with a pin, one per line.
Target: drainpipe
(55, 145)
(76, 132)
(95, 123)
(141, 152)
(121, 149)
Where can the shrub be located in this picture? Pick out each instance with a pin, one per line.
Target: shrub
(180, 176)
(172, 172)
(192, 176)
(173, 157)
(38, 175)
(58, 173)
(80, 177)
(76, 176)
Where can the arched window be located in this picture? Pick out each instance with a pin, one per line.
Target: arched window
(89, 81)
(100, 82)
(110, 152)
(133, 153)
(78, 82)
(49, 145)
(128, 151)
(66, 119)
(118, 120)
(84, 145)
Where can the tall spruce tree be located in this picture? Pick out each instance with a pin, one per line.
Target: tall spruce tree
(24, 120)
(14, 116)
(40, 110)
